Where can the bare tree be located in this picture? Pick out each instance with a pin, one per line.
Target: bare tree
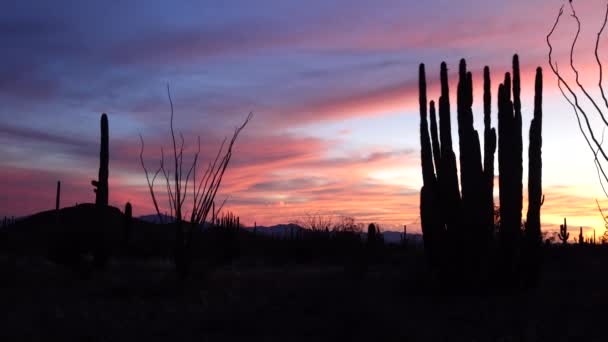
(315, 222)
(347, 224)
(179, 182)
(577, 93)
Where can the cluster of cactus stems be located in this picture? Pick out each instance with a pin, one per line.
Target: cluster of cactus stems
(101, 184)
(227, 221)
(458, 222)
(7, 221)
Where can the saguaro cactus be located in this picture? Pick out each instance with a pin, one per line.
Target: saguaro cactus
(128, 222)
(563, 232)
(58, 195)
(101, 184)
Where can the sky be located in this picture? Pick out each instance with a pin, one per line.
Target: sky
(332, 85)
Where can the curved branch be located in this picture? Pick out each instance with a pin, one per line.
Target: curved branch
(598, 165)
(578, 31)
(151, 183)
(561, 79)
(597, 57)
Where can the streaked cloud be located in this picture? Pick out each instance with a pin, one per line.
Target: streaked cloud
(300, 67)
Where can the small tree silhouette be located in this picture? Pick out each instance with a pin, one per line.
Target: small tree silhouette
(316, 222)
(202, 192)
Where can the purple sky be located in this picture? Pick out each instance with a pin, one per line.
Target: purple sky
(332, 85)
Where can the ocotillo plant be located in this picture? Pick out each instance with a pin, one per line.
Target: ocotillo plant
(101, 184)
(563, 232)
(461, 219)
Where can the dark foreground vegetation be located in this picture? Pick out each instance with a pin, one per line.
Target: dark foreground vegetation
(258, 288)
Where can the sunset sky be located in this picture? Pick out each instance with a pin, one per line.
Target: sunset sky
(332, 85)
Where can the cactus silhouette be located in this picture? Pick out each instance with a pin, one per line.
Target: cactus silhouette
(128, 223)
(535, 192)
(431, 226)
(404, 236)
(435, 137)
(581, 237)
(372, 233)
(458, 222)
(449, 193)
(101, 184)
(58, 195)
(488, 155)
(533, 237)
(509, 138)
(563, 232)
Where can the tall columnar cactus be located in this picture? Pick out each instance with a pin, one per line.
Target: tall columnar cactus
(404, 236)
(428, 193)
(101, 184)
(471, 171)
(435, 138)
(581, 237)
(517, 148)
(449, 193)
(509, 179)
(488, 154)
(535, 190)
(563, 232)
(468, 219)
(58, 195)
(128, 224)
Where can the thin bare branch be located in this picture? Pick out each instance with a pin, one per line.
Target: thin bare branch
(572, 93)
(576, 73)
(175, 158)
(597, 57)
(150, 183)
(604, 217)
(597, 164)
